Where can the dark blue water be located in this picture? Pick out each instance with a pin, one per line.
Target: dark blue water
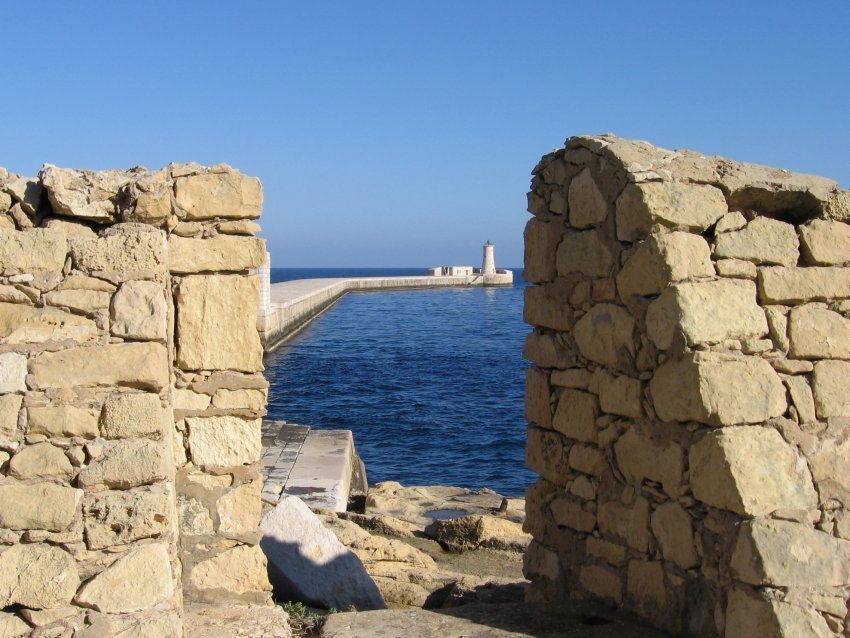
(431, 382)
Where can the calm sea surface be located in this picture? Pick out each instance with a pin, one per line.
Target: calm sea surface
(431, 382)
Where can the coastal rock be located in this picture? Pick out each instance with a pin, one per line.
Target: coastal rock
(473, 532)
(308, 562)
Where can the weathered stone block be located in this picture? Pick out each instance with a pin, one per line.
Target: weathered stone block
(226, 193)
(84, 194)
(586, 252)
(789, 285)
(12, 626)
(118, 518)
(544, 350)
(189, 400)
(546, 452)
(815, 332)
(786, 554)
(13, 372)
(215, 254)
(831, 386)
(568, 512)
(825, 242)
(139, 311)
(706, 387)
(133, 249)
(737, 268)
(41, 460)
(537, 392)
(151, 197)
(762, 241)
(239, 399)
(547, 306)
(37, 506)
(601, 582)
(10, 407)
(626, 523)
(673, 530)
(142, 365)
(240, 509)
(706, 312)
(640, 457)
(127, 463)
(238, 574)
(87, 301)
(217, 323)
(664, 259)
(63, 421)
(802, 398)
(27, 191)
(587, 204)
(33, 250)
(576, 415)
(25, 324)
(605, 334)
(646, 588)
(650, 206)
(747, 615)
(541, 244)
(224, 440)
(619, 395)
(138, 580)
(128, 415)
(588, 459)
(751, 471)
(37, 576)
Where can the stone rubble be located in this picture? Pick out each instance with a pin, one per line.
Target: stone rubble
(689, 402)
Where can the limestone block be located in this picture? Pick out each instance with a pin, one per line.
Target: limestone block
(802, 398)
(239, 399)
(786, 554)
(601, 582)
(546, 453)
(736, 268)
(37, 576)
(133, 415)
(751, 471)
(547, 306)
(574, 378)
(831, 386)
(40, 461)
(544, 350)
(70, 228)
(777, 323)
(640, 457)
(649, 206)
(825, 242)
(663, 259)
(829, 468)
(706, 312)
(84, 194)
(568, 512)
(539, 562)
(215, 254)
(605, 334)
(12, 627)
(789, 285)
(239, 509)
(815, 332)
(224, 440)
(585, 252)
(13, 372)
(84, 282)
(151, 195)
(588, 459)
(10, 406)
(455, 535)
(25, 324)
(730, 221)
(171, 624)
(587, 205)
(121, 517)
(195, 519)
(37, 506)
(239, 227)
(238, 574)
(706, 387)
(138, 580)
(541, 245)
(537, 407)
(747, 615)
(86, 301)
(27, 191)
(628, 524)
(125, 248)
(10, 294)
(576, 415)
(306, 560)
(139, 311)
(762, 241)
(143, 365)
(609, 552)
(127, 463)
(217, 323)
(673, 530)
(619, 395)
(218, 194)
(645, 587)
(33, 250)
(189, 400)
(63, 421)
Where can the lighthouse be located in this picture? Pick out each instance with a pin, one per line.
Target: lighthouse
(489, 265)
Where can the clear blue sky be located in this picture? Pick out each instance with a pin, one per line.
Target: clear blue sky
(402, 133)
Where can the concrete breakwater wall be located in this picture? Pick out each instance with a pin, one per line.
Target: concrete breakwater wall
(292, 304)
(688, 406)
(131, 398)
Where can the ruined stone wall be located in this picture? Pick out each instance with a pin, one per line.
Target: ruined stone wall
(131, 394)
(689, 403)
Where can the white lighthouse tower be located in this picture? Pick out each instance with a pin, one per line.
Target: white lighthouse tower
(489, 265)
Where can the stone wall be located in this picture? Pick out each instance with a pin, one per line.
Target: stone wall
(689, 403)
(131, 396)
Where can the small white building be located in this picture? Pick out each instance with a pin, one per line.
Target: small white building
(487, 275)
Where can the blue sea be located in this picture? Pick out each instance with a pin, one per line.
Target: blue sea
(431, 382)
